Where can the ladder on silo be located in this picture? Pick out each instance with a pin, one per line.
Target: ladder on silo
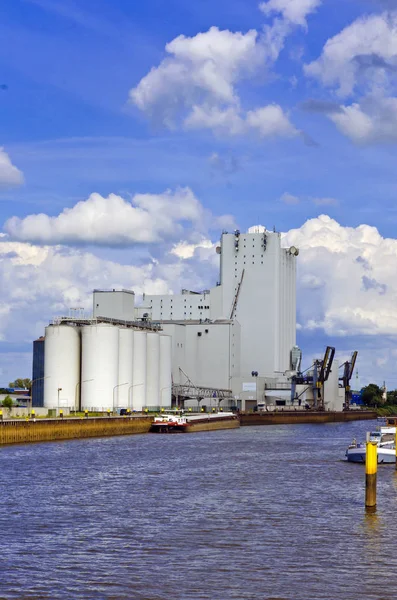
(236, 296)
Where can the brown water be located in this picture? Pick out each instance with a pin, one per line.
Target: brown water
(257, 513)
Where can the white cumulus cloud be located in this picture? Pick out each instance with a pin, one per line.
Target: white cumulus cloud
(371, 121)
(197, 85)
(363, 54)
(9, 174)
(294, 11)
(202, 68)
(346, 283)
(361, 62)
(115, 221)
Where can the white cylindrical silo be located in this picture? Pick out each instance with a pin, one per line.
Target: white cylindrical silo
(165, 370)
(61, 366)
(100, 366)
(153, 370)
(126, 358)
(138, 391)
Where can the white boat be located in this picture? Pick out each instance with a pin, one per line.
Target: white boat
(385, 439)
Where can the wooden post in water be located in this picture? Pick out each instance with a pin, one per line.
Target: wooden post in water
(371, 465)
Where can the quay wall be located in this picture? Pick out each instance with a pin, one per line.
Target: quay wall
(286, 417)
(46, 430)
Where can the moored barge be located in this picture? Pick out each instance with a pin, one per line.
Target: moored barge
(188, 423)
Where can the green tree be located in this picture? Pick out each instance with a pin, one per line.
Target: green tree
(392, 397)
(21, 383)
(7, 402)
(372, 394)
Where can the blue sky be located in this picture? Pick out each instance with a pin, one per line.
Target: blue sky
(272, 114)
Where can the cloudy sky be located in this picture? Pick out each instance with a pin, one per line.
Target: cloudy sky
(132, 133)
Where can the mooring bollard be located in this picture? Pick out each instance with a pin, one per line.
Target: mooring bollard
(61, 414)
(33, 415)
(371, 466)
(86, 413)
(108, 411)
(1, 415)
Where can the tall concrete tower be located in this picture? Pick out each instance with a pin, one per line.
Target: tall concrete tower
(258, 289)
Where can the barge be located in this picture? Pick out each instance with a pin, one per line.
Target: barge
(188, 423)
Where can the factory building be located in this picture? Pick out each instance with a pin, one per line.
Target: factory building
(233, 344)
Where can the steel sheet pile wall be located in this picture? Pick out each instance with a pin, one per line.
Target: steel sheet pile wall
(138, 392)
(153, 370)
(165, 370)
(61, 366)
(100, 366)
(126, 360)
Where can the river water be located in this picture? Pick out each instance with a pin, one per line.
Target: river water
(258, 513)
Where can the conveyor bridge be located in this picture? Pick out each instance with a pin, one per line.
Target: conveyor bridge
(192, 391)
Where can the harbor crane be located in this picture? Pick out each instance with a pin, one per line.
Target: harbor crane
(318, 374)
(348, 370)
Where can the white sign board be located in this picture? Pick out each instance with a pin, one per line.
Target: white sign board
(249, 386)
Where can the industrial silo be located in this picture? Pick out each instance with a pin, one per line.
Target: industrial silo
(138, 391)
(61, 366)
(100, 366)
(123, 392)
(165, 370)
(153, 370)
